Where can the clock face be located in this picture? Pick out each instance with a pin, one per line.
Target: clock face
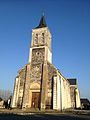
(39, 55)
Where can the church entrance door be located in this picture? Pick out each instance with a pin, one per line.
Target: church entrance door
(35, 99)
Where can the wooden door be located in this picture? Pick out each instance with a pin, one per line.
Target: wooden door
(35, 99)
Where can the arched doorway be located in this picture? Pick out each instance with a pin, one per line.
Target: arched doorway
(35, 100)
(35, 95)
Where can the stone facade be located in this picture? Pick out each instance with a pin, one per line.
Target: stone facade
(40, 84)
(74, 93)
(75, 96)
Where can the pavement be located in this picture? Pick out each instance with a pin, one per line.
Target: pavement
(34, 116)
(18, 114)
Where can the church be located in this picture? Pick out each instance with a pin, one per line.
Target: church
(39, 84)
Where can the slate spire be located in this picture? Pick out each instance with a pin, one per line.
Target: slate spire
(42, 22)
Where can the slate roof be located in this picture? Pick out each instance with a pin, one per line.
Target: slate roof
(84, 101)
(72, 81)
(42, 22)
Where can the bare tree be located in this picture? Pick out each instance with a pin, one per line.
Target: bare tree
(5, 94)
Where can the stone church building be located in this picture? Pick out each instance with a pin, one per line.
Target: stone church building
(39, 84)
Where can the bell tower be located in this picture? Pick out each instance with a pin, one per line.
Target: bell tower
(40, 50)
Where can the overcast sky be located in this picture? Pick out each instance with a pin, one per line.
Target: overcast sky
(69, 23)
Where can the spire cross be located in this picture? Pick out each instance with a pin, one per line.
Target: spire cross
(43, 13)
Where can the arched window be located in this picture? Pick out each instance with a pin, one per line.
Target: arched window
(36, 39)
(43, 37)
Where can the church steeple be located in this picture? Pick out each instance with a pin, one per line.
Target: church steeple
(42, 22)
(41, 40)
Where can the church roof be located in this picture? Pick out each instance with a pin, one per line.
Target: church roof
(42, 22)
(72, 81)
(84, 101)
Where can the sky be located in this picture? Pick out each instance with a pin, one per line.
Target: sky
(69, 24)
